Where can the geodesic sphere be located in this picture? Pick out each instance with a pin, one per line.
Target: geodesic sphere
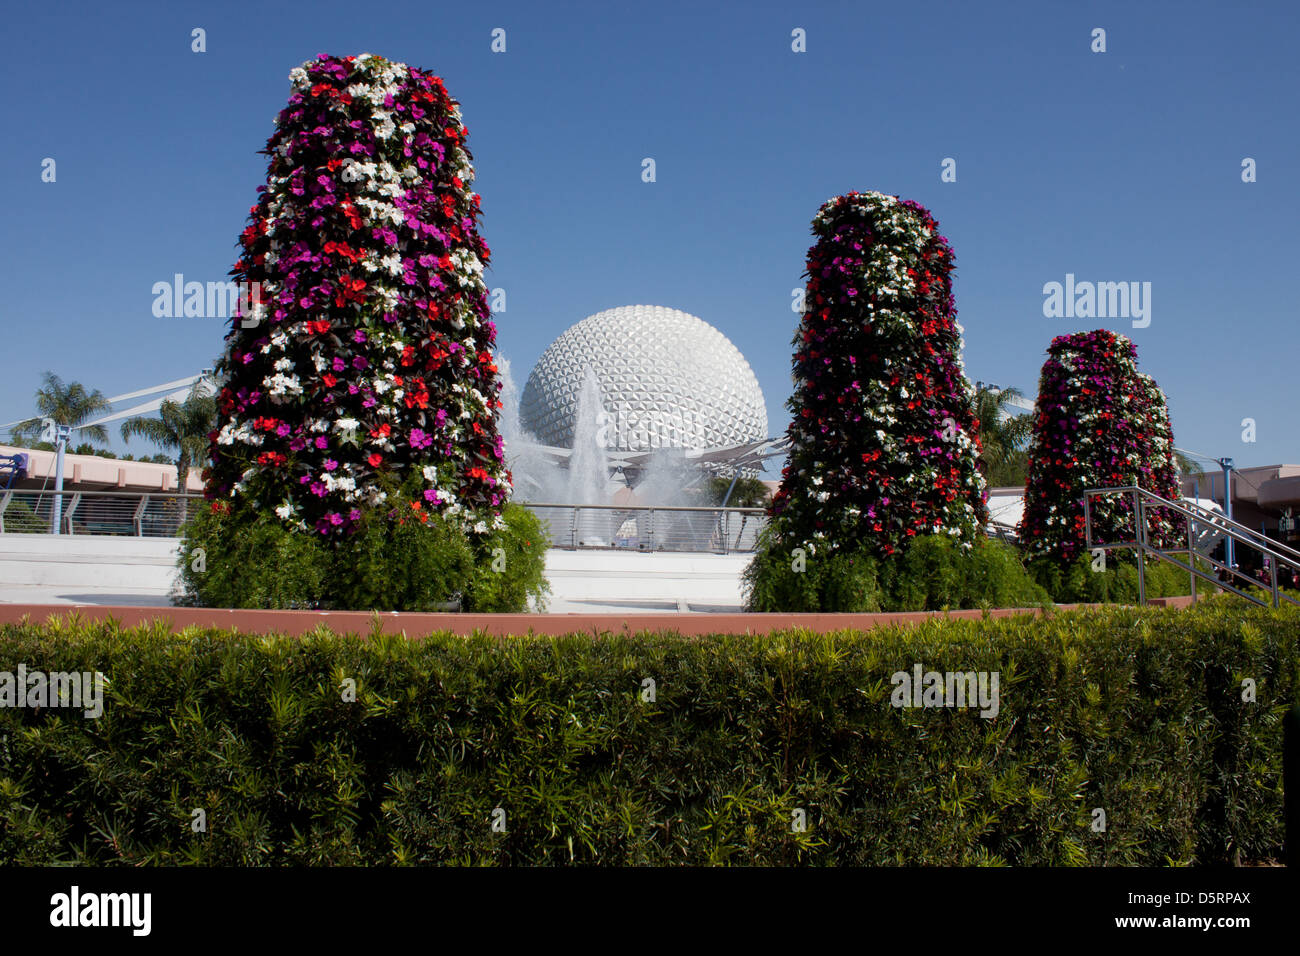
(667, 380)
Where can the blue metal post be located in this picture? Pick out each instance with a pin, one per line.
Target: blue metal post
(62, 433)
(1228, 554)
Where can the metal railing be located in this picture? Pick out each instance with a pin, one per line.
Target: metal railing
(125, 513)
(1273, 554)
(719, 530)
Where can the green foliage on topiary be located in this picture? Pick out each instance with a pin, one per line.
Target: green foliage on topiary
(1100, 423)
(509, 571)
(1117, 583)
(883, 439)
(250, 561)
(935, 573)
(401, 558)
(1138, 711)
(358, 388)
(796, 580)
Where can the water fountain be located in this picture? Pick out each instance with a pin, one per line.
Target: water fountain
(585, 480)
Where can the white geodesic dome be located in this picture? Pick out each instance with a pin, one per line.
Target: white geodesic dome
(667, 380)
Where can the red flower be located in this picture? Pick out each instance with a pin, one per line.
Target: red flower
(375, 459)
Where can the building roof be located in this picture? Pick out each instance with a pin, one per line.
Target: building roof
(92, 473)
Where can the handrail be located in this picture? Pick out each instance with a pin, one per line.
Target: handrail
(1267, 547)
(1207, 517)
(68, 492)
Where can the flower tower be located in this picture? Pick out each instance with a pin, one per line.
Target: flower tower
(364, 366)
(1099, 423)
(883, 443)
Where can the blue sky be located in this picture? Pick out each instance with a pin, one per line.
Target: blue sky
(1116, 166)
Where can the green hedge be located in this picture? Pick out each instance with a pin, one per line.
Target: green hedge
(1136, 712)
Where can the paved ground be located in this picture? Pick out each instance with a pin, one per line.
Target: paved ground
(54, 594)
(144, 597)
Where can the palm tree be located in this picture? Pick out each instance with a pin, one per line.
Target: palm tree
(748, 492)
(1186, 464)
(1004, 435)
(68, 404)
(180, 426)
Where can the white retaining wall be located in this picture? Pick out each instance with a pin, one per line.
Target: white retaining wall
(78, 561)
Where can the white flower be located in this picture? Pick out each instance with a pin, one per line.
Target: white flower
(284, 511)
(281, 384)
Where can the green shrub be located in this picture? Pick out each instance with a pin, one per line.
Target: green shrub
(20, 519)
(1078, 583)
(393, 562)
(401, 563)
(776, 580)
(1135, 711)
(252, 563)
(510, 569)
(934, 573)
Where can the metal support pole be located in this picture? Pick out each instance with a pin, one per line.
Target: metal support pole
(61, 434)
(734, 478)
(1141, 538)
(1191, 555)
(1229, 553)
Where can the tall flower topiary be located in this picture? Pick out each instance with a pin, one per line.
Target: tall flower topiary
(366, 370)
(1099, 423)
(883, 443)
